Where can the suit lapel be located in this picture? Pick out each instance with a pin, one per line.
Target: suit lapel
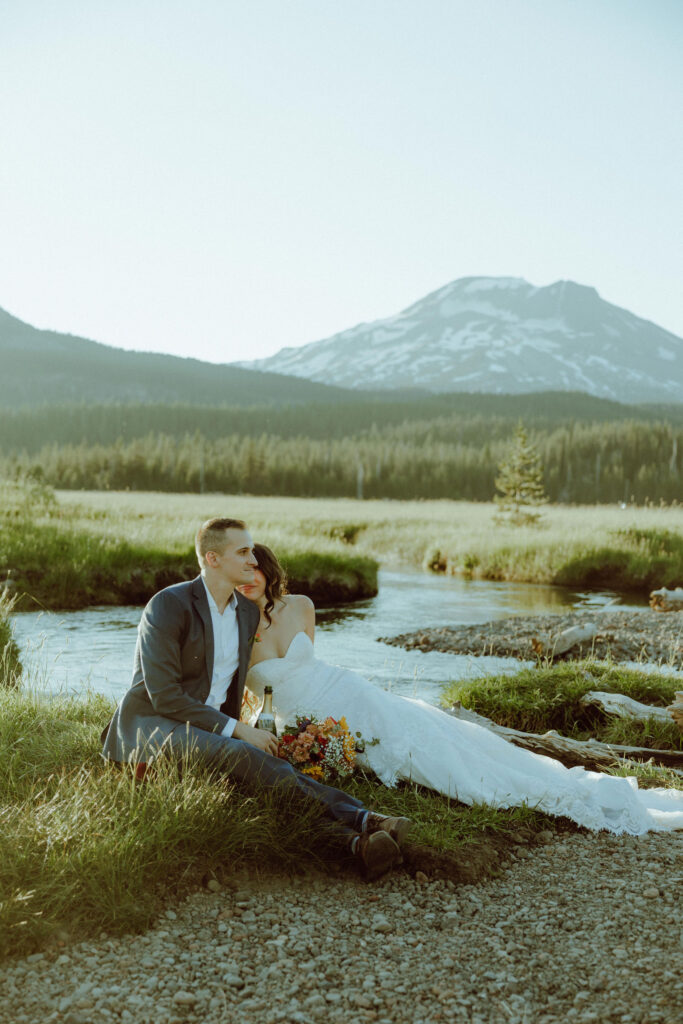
(247, 622)
(202, 605)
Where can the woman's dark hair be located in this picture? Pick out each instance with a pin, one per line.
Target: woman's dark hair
(276, 577)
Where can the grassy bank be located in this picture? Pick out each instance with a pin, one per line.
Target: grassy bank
(578, 546)
(538, 699)
(83, 848)
(61, 555)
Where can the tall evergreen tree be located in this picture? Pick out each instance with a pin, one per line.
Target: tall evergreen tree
(520, 482)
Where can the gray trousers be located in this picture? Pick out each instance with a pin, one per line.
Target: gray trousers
(252, 766)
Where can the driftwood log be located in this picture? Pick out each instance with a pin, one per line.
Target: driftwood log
(565, 640)
(664, 600)
(676, 710)
(621, 706)
(589, 754)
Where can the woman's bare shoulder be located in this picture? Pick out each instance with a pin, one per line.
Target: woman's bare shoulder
(297, 602)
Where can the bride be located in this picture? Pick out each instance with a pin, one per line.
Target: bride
(420, 743)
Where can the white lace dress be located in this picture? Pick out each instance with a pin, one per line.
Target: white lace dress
(462, 760)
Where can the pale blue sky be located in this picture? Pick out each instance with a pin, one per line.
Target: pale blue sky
(219, 179)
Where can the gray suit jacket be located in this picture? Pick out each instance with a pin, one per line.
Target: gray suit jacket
(172, 675)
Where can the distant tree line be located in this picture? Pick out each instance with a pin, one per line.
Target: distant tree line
(448, 457)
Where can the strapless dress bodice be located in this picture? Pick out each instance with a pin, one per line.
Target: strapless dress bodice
(276, 671)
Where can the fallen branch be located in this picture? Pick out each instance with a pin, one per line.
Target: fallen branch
(664, 600)
(589, 754)
(624, 707)
(565, 640)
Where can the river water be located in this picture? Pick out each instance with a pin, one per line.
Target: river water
(94, 648)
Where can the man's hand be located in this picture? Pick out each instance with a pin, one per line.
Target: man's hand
(257, 737)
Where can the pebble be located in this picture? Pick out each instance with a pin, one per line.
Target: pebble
(233, 981)
(568, 934)
(184, 998)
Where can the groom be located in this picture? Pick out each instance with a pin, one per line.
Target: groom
(191, 660)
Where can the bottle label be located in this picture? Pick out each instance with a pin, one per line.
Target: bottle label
(267, 722)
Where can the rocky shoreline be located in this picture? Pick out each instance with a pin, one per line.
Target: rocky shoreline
(645, 636)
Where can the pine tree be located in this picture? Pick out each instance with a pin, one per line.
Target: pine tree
(520, 482)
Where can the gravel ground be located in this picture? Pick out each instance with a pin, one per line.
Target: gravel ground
(584, 928)
(623, 636)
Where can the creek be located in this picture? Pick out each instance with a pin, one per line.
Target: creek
(94, 648)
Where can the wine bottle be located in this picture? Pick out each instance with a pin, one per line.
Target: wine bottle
(266, 720)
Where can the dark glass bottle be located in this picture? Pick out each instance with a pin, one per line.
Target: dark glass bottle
(266, 720)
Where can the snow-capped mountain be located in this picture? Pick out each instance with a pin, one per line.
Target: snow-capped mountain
(499, 334)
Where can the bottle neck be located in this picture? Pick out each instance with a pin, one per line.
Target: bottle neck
(268, 703)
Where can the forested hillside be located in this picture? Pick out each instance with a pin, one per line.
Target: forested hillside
(438, 446)
(449, 457)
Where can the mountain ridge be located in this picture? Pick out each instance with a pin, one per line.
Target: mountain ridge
(42, 366)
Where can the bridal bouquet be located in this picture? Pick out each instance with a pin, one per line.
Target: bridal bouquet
(325, 750)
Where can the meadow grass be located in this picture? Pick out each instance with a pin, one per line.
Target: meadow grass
(84, 848)
(578, 546)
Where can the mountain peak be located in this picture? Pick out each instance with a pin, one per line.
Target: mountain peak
(501, 335)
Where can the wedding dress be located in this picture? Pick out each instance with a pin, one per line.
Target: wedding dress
(467, 762)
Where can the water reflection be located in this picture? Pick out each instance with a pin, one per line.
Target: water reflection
(95, 647)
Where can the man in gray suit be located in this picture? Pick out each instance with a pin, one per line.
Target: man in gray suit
(191, 660)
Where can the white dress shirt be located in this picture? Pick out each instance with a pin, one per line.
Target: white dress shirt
(225, 653)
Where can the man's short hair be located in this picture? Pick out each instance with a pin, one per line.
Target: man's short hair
(211, 535)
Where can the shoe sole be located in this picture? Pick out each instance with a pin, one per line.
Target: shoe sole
(382, 856)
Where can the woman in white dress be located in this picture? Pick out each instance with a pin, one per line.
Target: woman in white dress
(420, 743)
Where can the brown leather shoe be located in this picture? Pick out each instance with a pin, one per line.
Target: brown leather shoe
(397, 828)
(376, 854)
